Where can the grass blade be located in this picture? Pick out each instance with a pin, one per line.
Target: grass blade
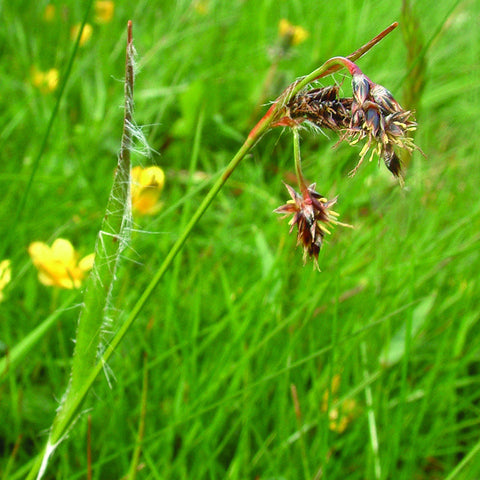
(21, 350)
(111, 241)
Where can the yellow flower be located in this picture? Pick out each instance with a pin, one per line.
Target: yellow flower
(294, 34)
(45, 81)
(5, 275)
(341, 415)
(104, 11)
(57, 265)
(86, 34)
(147, 185)
(49, 13)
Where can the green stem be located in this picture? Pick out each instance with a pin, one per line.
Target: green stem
(372, 424)
(9, 362)
(141, 424)
(298, 161)
(181, 241)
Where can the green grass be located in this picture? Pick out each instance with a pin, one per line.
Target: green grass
(238, 319)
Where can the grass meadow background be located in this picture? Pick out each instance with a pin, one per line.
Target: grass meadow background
(245, 364)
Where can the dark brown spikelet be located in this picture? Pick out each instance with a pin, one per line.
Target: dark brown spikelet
(311, 216)
(380, 120)
(392, 162)
(322, 107)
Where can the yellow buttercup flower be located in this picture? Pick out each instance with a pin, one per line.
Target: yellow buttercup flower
(293, 33)
(147, 185)
(86, 34)
(45, 81)
(5, 276)
(104, 11)
(58, 265)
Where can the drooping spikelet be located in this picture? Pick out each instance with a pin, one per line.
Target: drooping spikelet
(312, 217)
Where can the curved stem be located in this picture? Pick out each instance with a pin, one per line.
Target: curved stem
(330, 66)
(353, 68)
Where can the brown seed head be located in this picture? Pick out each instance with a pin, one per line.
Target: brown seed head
(311, 216)
(321, 107)
(379, 118)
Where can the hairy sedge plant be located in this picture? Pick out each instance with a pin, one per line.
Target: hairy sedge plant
(371, 116)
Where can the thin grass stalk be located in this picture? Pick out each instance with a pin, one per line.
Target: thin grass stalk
(399, 421)
(89, 448)
(372, 424)
(20, 351)
(474, 452)
(11, 458)
(436, 33)
(301, 433)
(416, 62)
(141, 424)
(416, 65)
(110, 243)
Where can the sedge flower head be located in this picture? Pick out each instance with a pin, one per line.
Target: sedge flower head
(5, 276)
(312, 217)
(45, 81)
(85, 36)
(320, 107)
(58, 265)
(147, 185)
(379, 119)
(104, 10)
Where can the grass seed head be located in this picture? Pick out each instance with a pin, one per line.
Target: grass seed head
(312, 217)
(321, 107)
(380, 119)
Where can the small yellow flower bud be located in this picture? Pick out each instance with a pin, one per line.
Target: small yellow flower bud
(104, 10)
(86, 34)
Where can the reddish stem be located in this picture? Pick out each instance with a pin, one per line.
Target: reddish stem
(353, 68)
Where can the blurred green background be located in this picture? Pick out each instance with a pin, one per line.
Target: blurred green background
(258, 367)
